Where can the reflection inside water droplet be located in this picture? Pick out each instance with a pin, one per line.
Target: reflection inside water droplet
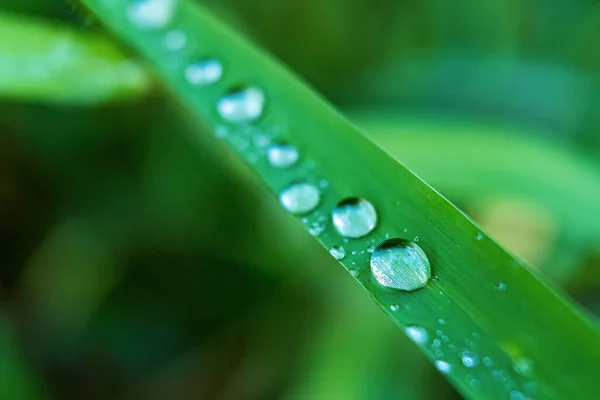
(400, 264)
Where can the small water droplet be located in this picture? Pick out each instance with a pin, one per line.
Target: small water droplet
(523, 366)
(175, 40)
(441, 321)
(474, 383)
(151, 14)
(445, 338)
(439, 333)
(416, 239)
(338, 252)
(443, 366)
(354, 217)
(516, 395)
(400, 264)
(282, 155)
(488, 362)
(353, 272)
(480, 236)
(242, 105)
(394, 307)
(501, 287)
(417, 334)
(300, 198)
(469, 359)
(436, 343)
(204, 72)
(261, 140)
(371, 249)
(316, 229)
(323, 183)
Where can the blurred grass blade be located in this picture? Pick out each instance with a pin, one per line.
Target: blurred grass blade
(42, 61)
(492, 327)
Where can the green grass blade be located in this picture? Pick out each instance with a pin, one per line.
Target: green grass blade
(41, 61)
(526, 339)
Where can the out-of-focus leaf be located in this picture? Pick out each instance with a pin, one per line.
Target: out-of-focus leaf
(43, 61)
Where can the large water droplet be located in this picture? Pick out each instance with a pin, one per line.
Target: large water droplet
(443, 366)
(354, 217)
(151, 14)
(338, 252)
(203, 72)
(469, 359)
(242, 105)
(300, 198)
(282, 155)
(400, 264)
(417, 334)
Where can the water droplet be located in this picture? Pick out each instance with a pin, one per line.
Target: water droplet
(523, 366)
(204, 72)
(417, 334)
(480, 236)
(416, 239)
(151, 14)
(175, 40)
(282, 155)
(353, 272)
(338, 252)
(516, 395)
(436, 343)
(400, 264)
(300, 198)
(469, 359)
(354, 217)
(441, 321)
(445, 338)
(443, 366)
(316, 229)
(242, 105)
(501, 286)
(394, 307)
(261, 140)
(474, 383)
(488, 362)
(371, 249)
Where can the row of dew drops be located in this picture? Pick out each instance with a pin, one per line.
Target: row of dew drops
(395, 263)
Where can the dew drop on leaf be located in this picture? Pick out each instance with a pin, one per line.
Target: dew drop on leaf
(282, 155)
(203, 72)
(443, 366)
(354, 217)
(400, 264)
(300, 198)
(394, 307)
(469, 359)
(417, 334)
(151, 14)
(242, 105)
(338, 252)
(501, 287)
(175, 40)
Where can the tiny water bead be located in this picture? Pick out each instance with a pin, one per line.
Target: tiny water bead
(480, 236)
(443, 367)
(338, 252)
(501, 287)
(394, 307)
(175, 40)
(151, 14)
(400, 264)
(300, 198)
(417, 334)
(204, 72)
(242, 105)
(354, 217)
(469, 359)
(282, 155)
(353, 272)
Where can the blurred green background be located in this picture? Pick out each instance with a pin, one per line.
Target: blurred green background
(137, 263)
